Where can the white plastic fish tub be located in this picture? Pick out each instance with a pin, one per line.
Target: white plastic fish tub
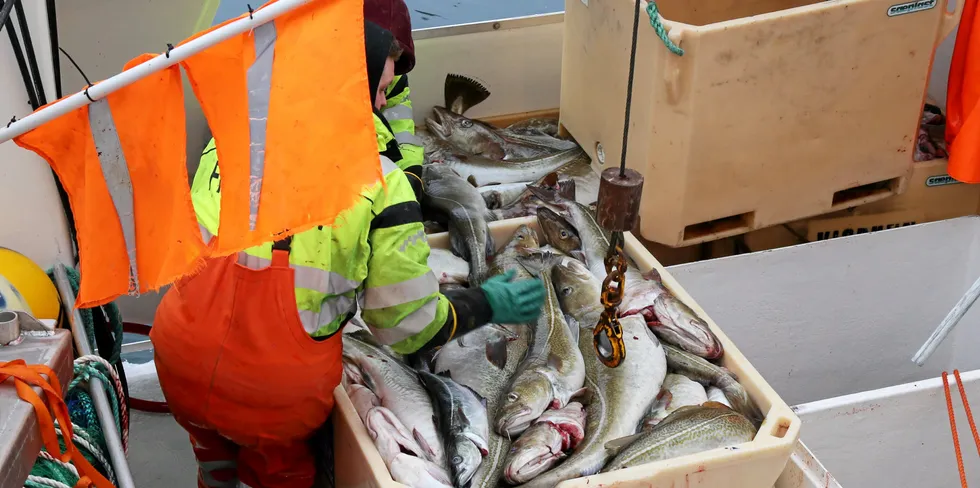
(756, 464)
(833, 325)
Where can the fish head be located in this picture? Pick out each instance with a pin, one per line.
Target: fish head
(534, 453)
(525, 238)
(679, 325)
(464, 460)
(557, 231)
(526, 401)
(576, 287)
(467, 134)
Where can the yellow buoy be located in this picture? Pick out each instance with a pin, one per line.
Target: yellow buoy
(32, 283)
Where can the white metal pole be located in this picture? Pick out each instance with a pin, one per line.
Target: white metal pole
(103, 410)
(952, 319)
(154, 65)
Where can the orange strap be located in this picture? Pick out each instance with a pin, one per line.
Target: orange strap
(25, 376)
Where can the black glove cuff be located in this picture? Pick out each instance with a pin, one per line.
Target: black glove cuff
(472, 310)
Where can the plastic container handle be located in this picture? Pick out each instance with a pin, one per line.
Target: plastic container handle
(951, 19)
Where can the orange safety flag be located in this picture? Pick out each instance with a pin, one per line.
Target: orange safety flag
(963, 99)
(121, 160)
(289, 109)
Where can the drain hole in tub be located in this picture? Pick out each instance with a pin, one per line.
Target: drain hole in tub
(780, 430)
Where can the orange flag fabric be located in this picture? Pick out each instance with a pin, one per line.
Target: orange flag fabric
(963, 99)
(288, 106)
(121, 161)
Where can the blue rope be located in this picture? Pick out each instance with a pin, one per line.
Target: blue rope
(659, 28)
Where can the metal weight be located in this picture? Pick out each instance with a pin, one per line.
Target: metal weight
(618, 208)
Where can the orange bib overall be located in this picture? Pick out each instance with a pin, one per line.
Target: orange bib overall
(241, 374)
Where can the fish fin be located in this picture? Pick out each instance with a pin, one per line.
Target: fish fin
(555, 362)
(429, 453)
(729, 372)
(546, 194)
(573, 327)
(472, 180)
(566, 189)
(666, 396)
(617, 445)
(497, 352)
(713, 404)
(582, 394)
(463, 93)
(491, 246)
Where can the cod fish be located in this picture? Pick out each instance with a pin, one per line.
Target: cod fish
(469, 235)
(447, 267)
(716, 395)
(418, 473)
(481, 171)
(619, 398)
(485, 359)
(669, 318)
(462, 418)
(677, 391)
(462, 93)
(545, 443)
(535, 126)
(398, 389)
(479, 138)
(551, 374)
(709, 374)
(688, 430)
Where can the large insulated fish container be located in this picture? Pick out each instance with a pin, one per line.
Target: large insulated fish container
(833, 325)
(777, 110)
(755, 464)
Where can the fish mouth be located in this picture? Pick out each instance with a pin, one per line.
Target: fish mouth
(699, 340)
(531, 463)
(514, 423)
(438, 124)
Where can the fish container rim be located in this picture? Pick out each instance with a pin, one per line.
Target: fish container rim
(777, 437)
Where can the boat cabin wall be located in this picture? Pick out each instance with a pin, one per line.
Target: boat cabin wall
(846, 315)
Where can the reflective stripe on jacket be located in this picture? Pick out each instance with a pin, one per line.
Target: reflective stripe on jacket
(398, 112)
(375, 254)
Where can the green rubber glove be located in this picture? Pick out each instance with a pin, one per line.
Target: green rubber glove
(514, 302)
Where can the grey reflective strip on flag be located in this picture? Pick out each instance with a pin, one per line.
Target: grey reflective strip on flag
(307, 277)
(259, 80)
(400, 293)
(408, 138)
(205, 233)
(411, 325)
(117, 179)
(330, 309)
(398, 112)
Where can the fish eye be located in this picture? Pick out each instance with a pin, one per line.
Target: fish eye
(566, 291)
(457, 459)
(564, 234)
(512, 397)
(466, 123)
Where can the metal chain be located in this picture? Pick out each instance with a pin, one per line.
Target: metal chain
(612, 352)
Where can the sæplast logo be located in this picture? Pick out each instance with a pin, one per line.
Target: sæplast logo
(911, 7)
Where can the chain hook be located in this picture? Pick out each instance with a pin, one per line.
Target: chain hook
(607, 337)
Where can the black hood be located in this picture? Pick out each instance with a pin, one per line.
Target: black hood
(377, 43)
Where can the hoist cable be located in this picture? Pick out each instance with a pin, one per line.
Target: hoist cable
(629, 89)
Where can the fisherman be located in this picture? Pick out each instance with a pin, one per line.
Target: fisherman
(248, 350)
(394, 122)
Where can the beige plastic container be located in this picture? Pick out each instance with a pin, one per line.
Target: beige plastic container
(755, 464)
(778, 109)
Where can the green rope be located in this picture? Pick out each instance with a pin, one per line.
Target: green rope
(111, 309)
(659, 28)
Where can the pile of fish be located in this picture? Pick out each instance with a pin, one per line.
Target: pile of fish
(531, 404)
